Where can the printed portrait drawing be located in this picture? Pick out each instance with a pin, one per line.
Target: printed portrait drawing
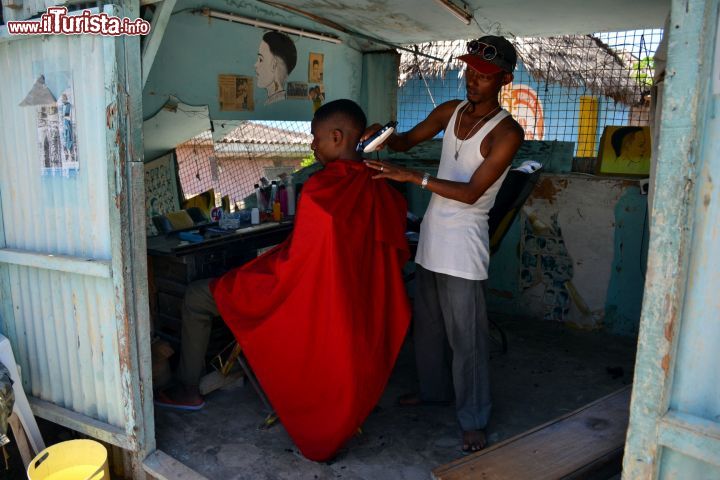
(241, 93)
(277, 57)
(315, 68)
(317, 95)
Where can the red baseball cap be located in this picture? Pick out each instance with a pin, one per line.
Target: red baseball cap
(500, 58)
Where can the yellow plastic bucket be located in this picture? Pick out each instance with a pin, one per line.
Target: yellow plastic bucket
(71, 460)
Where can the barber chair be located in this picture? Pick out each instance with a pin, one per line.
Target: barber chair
(514, 191)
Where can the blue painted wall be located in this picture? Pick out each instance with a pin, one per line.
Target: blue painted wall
(560, 104)
(625, 291)
(604, 227)
(195, 50)
(624, 295)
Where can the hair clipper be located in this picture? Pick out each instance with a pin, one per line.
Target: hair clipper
(377, 138)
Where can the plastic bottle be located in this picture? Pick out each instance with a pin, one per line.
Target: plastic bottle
(260, 198)
(283, 199)
(254, 216)
(277, 213)
(273, 196)
(290, 190)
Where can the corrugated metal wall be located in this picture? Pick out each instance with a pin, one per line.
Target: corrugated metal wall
(54, 214)
(28, 9)
(63, 328)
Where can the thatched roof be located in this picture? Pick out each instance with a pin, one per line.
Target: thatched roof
(575, 61)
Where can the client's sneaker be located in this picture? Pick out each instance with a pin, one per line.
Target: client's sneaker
(163, 400)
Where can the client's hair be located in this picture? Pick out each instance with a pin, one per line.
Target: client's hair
(349, 111)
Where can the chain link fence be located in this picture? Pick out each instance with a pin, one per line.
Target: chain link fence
(565, 88)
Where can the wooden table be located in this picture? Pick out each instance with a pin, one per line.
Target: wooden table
(173, 264)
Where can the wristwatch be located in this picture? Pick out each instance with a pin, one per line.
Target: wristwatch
(425, 178)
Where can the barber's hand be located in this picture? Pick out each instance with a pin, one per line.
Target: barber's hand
(369, 131)
(392, 172)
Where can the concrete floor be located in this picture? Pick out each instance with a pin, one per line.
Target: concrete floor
(549, 370)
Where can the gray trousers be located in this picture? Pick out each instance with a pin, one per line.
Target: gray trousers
(451, 344)
(198, 311)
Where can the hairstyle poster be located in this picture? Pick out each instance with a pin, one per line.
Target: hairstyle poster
(315, 68)
(161, 194)
(625, 151)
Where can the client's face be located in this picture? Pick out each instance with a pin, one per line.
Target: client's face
(324, 144)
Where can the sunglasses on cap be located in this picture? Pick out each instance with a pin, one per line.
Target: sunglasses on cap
(485, 50)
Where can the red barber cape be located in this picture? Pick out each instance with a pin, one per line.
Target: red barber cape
(321, 317)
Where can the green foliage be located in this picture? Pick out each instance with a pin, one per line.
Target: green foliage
(642, 71)
(307, 161)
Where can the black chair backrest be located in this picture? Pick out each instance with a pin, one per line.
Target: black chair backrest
(513, 193)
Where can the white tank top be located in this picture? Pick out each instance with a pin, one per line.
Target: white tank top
(454, 236)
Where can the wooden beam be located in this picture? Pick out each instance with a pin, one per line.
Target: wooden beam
(21, 440)
(691, 435)
(157, 31)
(666, 312)
(216, 380)
(162, 466)
(81, 423)
(581, 444)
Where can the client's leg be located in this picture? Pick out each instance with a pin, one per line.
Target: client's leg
(198, 311)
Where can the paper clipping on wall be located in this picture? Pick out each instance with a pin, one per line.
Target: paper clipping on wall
(236, 93)
(56, 123)
(315, 67)
(297, 90)
(161, 193)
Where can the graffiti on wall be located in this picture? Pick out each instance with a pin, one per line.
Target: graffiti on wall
(523, 103)
(545, 259)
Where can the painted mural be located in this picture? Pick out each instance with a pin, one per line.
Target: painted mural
(524, 105)
(625, 151)
(545, 259)
(542, 109)
(264, 64)
(276, 59)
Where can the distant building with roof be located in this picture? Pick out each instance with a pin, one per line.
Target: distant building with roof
(234, 163)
